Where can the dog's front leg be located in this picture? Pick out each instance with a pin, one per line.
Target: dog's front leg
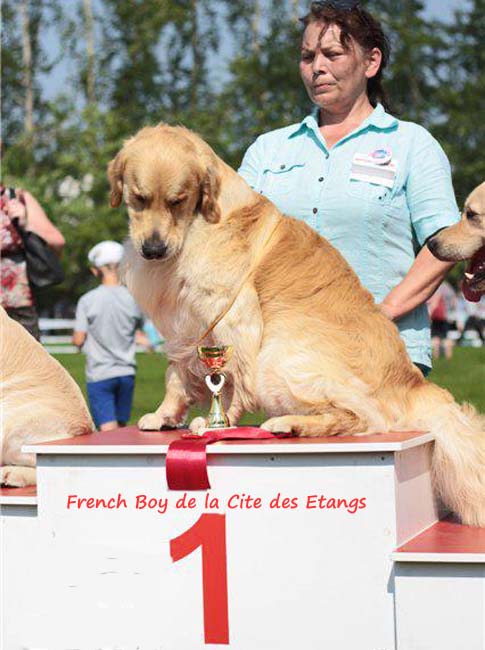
(173, 409)
(235, 411)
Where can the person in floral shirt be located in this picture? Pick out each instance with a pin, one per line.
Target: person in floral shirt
(16, 296)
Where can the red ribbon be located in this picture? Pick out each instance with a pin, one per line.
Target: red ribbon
(186, 462)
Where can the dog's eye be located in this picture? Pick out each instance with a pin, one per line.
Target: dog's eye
(177, 200)
(470, 214)
(139, 197)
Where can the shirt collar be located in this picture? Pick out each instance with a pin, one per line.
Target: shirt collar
(379, 119)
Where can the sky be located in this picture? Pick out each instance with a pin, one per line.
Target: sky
(56, 80)
(442, 8)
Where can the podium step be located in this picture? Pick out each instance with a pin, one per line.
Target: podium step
(18, 496)
(440, 588)
(444, 541)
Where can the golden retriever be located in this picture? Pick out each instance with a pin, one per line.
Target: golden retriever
(39, 401)
(311, 348)
(466, 241)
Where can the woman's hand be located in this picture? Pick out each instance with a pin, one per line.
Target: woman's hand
(388, 310)
(17, 210)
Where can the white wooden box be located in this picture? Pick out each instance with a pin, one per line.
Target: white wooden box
(88, 579)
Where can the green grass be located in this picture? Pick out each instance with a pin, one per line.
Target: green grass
(464, 376)
(149, 385)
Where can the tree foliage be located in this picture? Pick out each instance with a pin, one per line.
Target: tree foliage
(227, 69)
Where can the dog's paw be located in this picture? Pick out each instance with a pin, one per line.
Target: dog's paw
(17, 476)
(155, 422)
(198, 424)
(282, 424)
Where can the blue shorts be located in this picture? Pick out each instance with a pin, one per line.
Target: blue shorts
(110, 400)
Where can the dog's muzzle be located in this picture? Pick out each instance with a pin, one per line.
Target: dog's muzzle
(154, 249)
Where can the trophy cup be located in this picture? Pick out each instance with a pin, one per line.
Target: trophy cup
(215, 358)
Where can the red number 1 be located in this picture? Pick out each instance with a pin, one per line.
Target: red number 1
(209, 532)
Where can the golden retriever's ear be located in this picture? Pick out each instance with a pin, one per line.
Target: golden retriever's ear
(115, 176)
(210, 189)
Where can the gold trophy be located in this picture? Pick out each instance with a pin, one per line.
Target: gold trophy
(215, 358)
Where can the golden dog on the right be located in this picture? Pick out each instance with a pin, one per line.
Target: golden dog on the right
(208, 254)
(466, 241)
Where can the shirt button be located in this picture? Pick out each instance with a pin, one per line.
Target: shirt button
(320, 179)
(315, 210)
(282, 166)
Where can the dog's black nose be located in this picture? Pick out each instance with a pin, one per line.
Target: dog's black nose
(432, 245)
(153, 249)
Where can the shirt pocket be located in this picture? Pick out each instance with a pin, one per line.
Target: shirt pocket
(282, 178)
(369, 192)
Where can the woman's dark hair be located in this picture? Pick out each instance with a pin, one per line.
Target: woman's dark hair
(360, 25)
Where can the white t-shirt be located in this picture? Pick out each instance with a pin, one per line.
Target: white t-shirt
(110, 317)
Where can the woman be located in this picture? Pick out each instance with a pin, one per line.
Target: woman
(16, 295)
(376, 187)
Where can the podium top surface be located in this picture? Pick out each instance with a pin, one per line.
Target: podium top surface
(130, 440)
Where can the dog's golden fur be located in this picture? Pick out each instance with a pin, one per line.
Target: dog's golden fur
(311, 347)
(39, 401)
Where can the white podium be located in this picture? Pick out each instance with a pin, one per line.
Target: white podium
(104, 557)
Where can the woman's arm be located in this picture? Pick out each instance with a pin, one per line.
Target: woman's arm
(421, 281)
(38, 222)
(81, 324)
(432, 206)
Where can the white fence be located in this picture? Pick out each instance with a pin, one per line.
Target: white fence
(56, 336)
(59, 342)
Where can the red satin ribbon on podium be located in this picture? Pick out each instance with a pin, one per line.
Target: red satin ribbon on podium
(186, 461)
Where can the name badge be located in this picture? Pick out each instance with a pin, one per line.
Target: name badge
(377, 167)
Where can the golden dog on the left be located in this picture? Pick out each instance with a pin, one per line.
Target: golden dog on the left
(40, 401)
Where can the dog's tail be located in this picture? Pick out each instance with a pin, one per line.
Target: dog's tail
(458, 465)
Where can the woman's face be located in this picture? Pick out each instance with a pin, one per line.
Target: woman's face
(334, 77)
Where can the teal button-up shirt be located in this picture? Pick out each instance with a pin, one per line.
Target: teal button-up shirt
(378, 229)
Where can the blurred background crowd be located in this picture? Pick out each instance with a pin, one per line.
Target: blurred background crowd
(455, 321)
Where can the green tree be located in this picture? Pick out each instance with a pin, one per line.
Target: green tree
(460, 119)
(415, 43)
(264, 90)
(23, 61)
(228, 70)
(131, 32)
(12, 100)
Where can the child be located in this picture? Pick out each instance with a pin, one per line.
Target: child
(107, 319)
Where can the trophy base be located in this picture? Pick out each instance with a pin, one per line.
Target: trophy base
(209, 429)
(203, 430)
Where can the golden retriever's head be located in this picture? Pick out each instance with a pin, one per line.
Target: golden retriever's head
(466, 241)
(167, 177)
(462, 241)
